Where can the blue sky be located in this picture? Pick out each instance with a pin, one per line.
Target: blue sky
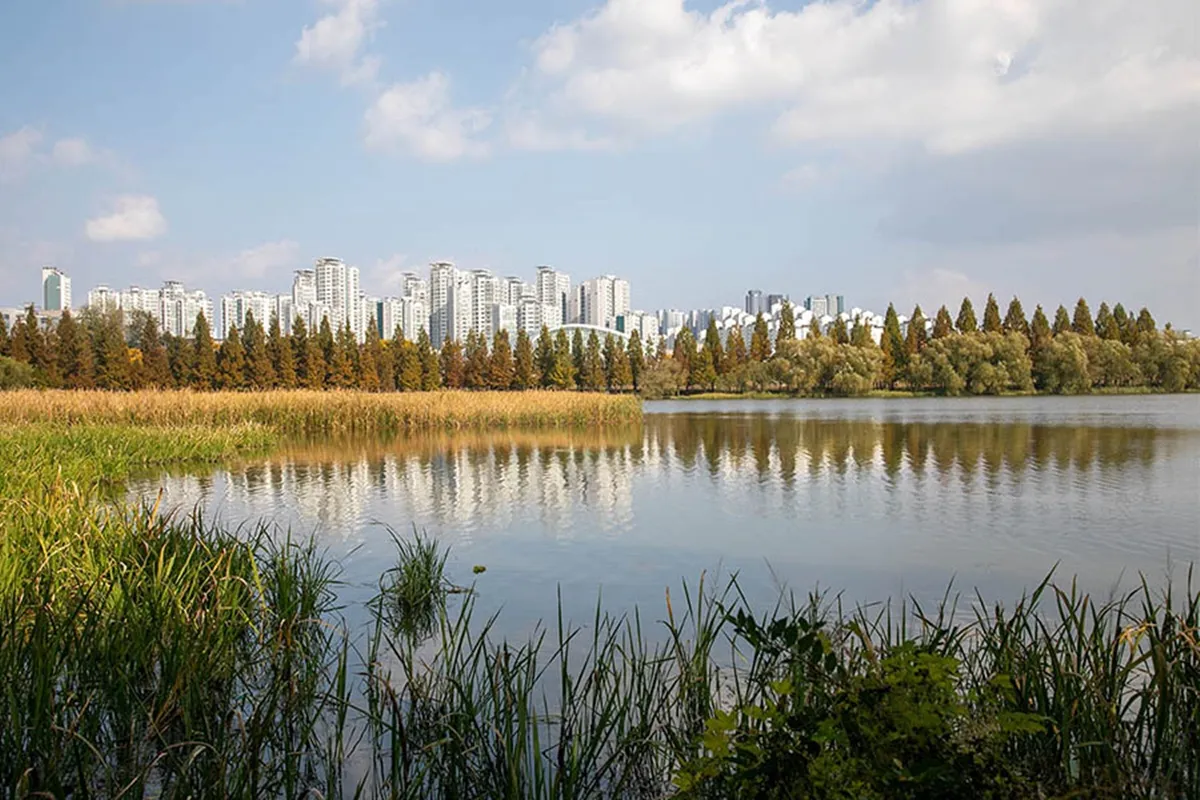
(907, 150)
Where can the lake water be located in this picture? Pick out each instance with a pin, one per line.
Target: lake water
(875, 499)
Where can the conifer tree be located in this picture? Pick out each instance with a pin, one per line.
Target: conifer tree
(787, 325)
(943, 325)
(452, 365)
(592, 378)
(1039, 330)
(316, 367)
(543, 356)
(637, 359)
(260, 374)
(475, 355)
(431, 371)
(370, 354)
(524, 371)
(577, 357)
(283, 359)
(231, 361)
(1082, 322)
(735, 349)
(608, 358)
(18, 346)
(685, 350)
(914, 341)
(500, 366)
(328, 344)
(703, 373)
(155, 367)
(34, 341)
(298, 342)
(966, 322)
(760, 340)
(1124, 324)
(1014, 320)
(621, 376)
(860, 335)
(111, 355)
(3, 337)
(712, 343)
(814, 328)
(204, 358)
(991, 315)
(180, 355)
(892, 343)
(1106, 325)
(1062, 321)
(563, 374)
(74, 353)
(839, 332)
(343, 369)
(1145, 326)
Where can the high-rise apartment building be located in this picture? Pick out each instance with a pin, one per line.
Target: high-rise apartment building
(414, 286)
(56, 290)
(835, 304)
(441, 289)
(553, 288)
(602, 300)
(237, 307)
(504, 318)
(180, 308)
(775, 300)
(485, 292)
(819, 306)
(754, 302)
(103, 298)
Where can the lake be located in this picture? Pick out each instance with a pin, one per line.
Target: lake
(875, 499)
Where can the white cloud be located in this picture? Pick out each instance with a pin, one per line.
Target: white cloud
(271, 257)
(17, 150)
(134, 217)
(73, 152)
(335, 40)
(952, 75)
(419, 118)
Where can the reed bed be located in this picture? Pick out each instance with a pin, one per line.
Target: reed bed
(325, 413)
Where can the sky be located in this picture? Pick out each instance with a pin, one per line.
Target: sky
(895, 150)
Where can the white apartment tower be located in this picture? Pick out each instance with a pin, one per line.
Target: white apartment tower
(554, 289)
(56, 290)
(602, 300)
(441, 290)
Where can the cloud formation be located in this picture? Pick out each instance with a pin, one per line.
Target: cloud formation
(419, 118)
(74, 152)
(134, 218)
(17, 151)
(336, 40)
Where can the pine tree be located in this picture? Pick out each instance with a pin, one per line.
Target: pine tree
(1082, 322)
(592, 377)
(3, 337)
(609, 359)
(735, 349)
(914, 341)
(760, 340)
(1014, 320)
(74, 354)
(1106, 325)
(316, 367)
(543, 357)
(343, 370)
(452, 365)
(18, 346)
(231, 361)
(991, 316)
(1039, 330)
(712, 343)
(34, 342)
(1145, 326)
(892, 343)
(111, 356)
(475, 355)
(563, 373)
(577, 357)
(787, 325)
(260, 374)
(410, 369)
(500, 367)
(637, 359)
(839, 332)
(621, 377)
(814, 328)
(1124, 324)
(299, 344)
(154, 355)
(524, 372)
(431, 371)
(283, 358)
(1062, 321)
(328, 345)
(966, 322)
(943, 326)
(204, 359)
(370, 354)
(860, 335)
(703, 373)
(685, 350)
(181, 356)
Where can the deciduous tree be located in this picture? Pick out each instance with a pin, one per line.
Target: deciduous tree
(966, 322)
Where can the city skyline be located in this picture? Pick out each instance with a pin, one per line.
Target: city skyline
(908, 151)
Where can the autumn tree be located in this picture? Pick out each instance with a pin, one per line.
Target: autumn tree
(431, 372)
(943, 325)
(524, 371)
(500, 367)
(1039, 330)
(619, 373)
(787, 325)
(343, 368)
(180, 356)
(860, 334)
(407, 364)
(966, 322)
(452, 366)
(156, 369)
(1082, 323)
(712, 343)
(1123, 323)
(543, 356)
(74, 353)
(231, 361)
(592, 377)
(1014, 319)
(1062, 321)
(760, 340)
(204, 361)
(328, 345)
(577, 354)
(991, 316)
(260, 373)
(562, 375)
(475, 353)
(111, 356)
(1106, 324)
(838, 332)
(283, 359)
(369, 356)
(892, 345)
(3, 337)
(703, 372)
(915, 339)
(685, 350)
(735, 349)
(637, 359)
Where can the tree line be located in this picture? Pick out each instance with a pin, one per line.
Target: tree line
(1075, 353)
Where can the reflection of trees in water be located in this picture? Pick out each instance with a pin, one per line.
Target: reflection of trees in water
(471, 481)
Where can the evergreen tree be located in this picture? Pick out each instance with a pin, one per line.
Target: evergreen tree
(563, 374)
(914, 341)
(1145, 326)
(299, 345)
(1062, 321)
(1039, 330)
(328, 345)
(592, 377)
(111, 356)
(543, 356)
(1106, 326)
(431, 372)
(760, 340)
(155, 366)
(343, 371)
(283, 360)
(476, 355)
(369, 356)
(991, 315)
(74, 354)
(892, 343)
(1082, 322)
(231, 361)
(34, 343)
(703, 373)
(524, 371)
(1014, 320)
(637, 359)
(943, 325)
(3, 337)
(814, 328)
(204, 359)
(712, 343)
(316, 367)
(787, 326)
(181, 357)
(608, 358)
(860, 334)
(260, 374)
(735, 349)
(839, 332)
(577, 357)
(501, 369)
(620, 377)
(1124, 324)
(685, 350)
(452, 365)
(18, 346)
(966, 322)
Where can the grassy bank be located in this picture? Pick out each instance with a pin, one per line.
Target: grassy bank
(313, 413)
